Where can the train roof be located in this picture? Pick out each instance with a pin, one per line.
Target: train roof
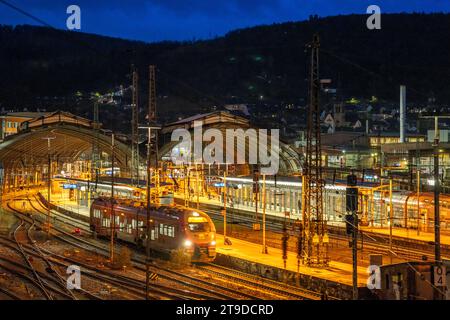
(175, 211)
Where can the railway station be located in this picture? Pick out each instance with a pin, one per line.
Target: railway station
(51, 158)
(273, 162)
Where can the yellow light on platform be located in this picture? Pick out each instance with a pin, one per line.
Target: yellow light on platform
(325, 238)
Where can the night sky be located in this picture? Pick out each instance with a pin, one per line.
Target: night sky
(155, 20)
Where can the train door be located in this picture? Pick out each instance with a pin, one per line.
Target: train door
(96, 219)
(106, 223)
(424, 219)
(154, 231)
(121, 229)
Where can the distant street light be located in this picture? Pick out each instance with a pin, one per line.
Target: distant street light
(49, 182)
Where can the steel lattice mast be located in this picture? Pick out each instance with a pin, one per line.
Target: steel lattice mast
(314, 227)
(152, 149)
(151, 117)
(152, 94)
(95, 165)
(134, 129)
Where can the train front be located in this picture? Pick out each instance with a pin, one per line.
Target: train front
(199, 236)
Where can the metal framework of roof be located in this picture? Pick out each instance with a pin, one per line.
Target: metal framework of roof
(73, 139)
(289, 159)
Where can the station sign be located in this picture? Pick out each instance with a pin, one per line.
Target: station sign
(440, 276)
(69, 186)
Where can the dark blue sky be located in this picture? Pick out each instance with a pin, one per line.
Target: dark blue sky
(154, 20)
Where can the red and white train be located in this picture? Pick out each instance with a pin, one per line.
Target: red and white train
(171, 227)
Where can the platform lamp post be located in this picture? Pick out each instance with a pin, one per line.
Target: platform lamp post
(437, 190)
(391, 217)
(151, 126)
(264, 246)
(49, 182)
(113, 216)
(225, 242)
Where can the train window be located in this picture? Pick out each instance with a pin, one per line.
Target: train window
(199, 227)
(171, 231)
(129, 228)
(167, 230)
(96, 213)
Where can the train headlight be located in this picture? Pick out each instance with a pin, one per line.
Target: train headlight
(187, 243)
(213, 243)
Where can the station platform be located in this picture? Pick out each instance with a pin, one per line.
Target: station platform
(411, 234)
(72, 206)
(408, 234)
(336, 272)
(238, 206)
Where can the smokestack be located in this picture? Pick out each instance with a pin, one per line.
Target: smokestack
(402, 113)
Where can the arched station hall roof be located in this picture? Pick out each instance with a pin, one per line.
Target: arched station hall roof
(74, 138)
(289, 158)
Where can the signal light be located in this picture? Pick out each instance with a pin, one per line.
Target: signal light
(351, 221)
(351, 199)
(352, 180)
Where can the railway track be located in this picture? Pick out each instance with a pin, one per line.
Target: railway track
(38, 281)
(126, 282)
(6, 242)
(20, 270)
(217, 291)
(211, 290)
(49, 266)
(34, 250)
(10, 294)
(278, 289)
(409, 254)
(372, 243)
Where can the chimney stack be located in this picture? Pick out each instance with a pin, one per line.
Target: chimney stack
(402, 113)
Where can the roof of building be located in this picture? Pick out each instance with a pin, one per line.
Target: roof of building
(211, 118)
(394, 134)
(344, 138)
(26, 114)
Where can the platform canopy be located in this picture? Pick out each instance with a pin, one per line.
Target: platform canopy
(72, 138)
(289, 159)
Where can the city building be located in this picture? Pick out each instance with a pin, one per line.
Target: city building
(11, 122)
